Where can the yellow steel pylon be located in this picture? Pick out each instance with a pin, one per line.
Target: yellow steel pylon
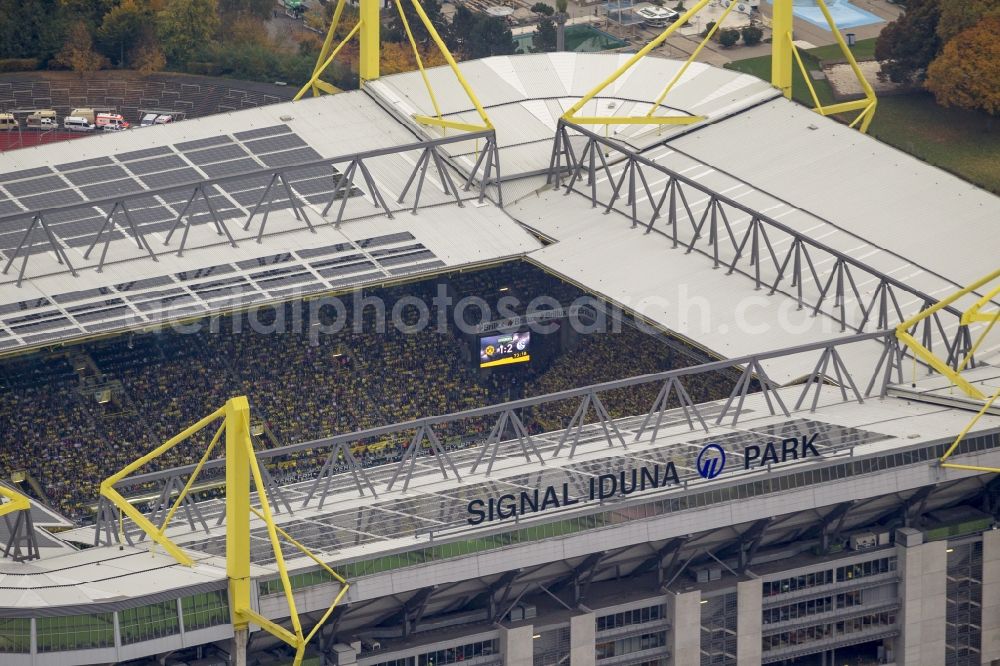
(368, 30)
(973, 314)
(783, 52)
(241, 469)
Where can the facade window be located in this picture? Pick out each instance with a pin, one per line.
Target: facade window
(550, 647)
(205, 610)
(630, 617)
(405, 661)
(458, 653)
(622, 646)
(827, 576)
(75, 632)
(864, 569)
(15, 635)
(812, 607)
(870, 623)
(148, 622)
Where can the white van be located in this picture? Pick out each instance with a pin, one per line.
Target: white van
(77, 124)
(8, 121)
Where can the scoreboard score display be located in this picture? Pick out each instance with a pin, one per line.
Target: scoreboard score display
(504, 349)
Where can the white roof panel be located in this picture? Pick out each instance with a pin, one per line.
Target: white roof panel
(865, 187)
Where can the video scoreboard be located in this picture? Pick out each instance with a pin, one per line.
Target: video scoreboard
(504, 349)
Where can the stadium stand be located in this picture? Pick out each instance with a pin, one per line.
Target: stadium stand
(89, 396)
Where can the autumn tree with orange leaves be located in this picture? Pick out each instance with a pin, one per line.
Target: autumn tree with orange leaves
(967, 72)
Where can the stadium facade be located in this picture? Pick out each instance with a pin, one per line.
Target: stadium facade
(807, 517)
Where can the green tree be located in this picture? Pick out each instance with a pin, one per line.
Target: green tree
(544, 38)
(542, 9)
(728, 37)
(187, 28)
(121, 30)
(89, 11)
(259, 8)
(967, 73)
(31, 29)
(491, 36)
(147, 57)
(78, 52)
(463, 26)
(751, 35)
(957, 15)
(907, 46)
(395, 32)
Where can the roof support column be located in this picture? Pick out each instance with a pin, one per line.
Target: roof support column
(369, 38)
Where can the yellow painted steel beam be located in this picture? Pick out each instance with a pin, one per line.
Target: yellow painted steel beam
(330, 35)
(637, 120)
(691, 58)
(265, 508)
(306, 551)
(162, 448)
(781, 46)
(865, 86)
(315, 77)
(320, 85)
(817, 105)
(841, 107)
(108, 489)
(370, 54)
(16, 501)
(975, 468)
(271, 627)
(432, 31)
(237, 508)
(326, 615)
(192, 479)
(416, 55)
(961, 436)
(452, 124)
(902, 333)
(146, 526)
(974, 313)
(979, 341)
(655, 42)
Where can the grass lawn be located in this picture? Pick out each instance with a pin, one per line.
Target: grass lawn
(963, 142)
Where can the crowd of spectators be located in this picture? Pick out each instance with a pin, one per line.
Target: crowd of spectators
(74, 416)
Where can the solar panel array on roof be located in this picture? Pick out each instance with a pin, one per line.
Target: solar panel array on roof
(198, 290)
(181, 165)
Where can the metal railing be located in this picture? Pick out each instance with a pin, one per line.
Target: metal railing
(506, 422)
(743, 240)
(119, 212)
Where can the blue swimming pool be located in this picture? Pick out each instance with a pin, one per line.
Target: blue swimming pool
(844, 14)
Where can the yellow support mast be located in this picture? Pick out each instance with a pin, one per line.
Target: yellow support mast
(242, 470)
(368, 32)
(783, 55)
(781, 46)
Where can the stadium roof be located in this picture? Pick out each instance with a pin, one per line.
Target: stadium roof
(813, 181)
(131, 290)
(432, 510)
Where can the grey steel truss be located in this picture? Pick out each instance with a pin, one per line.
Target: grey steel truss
(279, 181)
(697, 218)
(22, 545)
(747, 374)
